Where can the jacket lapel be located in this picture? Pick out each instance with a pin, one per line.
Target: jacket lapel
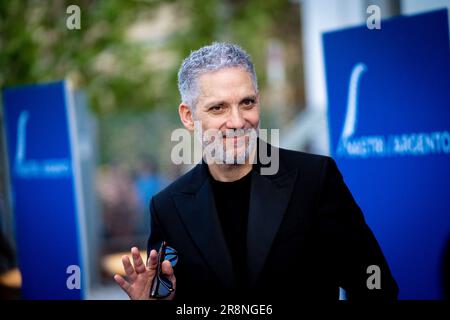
(197, 210)
(268, 202)
(270, 195)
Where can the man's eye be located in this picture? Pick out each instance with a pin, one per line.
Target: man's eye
(216, 108)
(248, 102)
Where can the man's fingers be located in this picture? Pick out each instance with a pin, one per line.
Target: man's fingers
(152, 261)
(122, 283)
(128, 267)
(137, 260)
(167, 270)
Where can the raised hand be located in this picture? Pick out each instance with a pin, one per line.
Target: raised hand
(140, 276)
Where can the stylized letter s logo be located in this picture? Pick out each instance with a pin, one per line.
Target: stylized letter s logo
(21, 139)
(352, 101)
(351, 115)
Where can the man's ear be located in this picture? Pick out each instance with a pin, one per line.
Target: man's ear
(186, 116)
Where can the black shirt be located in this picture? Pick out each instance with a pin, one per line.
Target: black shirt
(232, 201)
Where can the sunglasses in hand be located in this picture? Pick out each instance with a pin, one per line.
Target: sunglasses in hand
(161, 286)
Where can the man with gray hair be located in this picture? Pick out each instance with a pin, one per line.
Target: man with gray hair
(225, 230)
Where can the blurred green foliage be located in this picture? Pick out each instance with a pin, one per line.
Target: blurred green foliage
(36, 46)
(126, 76)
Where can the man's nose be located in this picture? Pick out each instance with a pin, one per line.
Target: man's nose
(235, 120)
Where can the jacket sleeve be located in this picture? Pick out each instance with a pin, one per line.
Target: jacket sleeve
(355, 254)
(156, 234)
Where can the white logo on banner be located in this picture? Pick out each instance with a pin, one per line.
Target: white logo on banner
(28, 168)
(403, 144)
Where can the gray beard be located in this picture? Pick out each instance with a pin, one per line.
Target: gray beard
(218, 153)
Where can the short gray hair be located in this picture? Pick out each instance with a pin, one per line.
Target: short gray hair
(211, 58)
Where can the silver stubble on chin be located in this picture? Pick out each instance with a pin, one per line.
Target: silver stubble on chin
(223, 148)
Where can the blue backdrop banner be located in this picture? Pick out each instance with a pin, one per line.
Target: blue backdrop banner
(389, 127)
(41, 165)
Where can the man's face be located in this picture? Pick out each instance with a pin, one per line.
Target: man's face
(228, 103)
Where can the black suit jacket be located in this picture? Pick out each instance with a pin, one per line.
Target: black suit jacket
(306, 236)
